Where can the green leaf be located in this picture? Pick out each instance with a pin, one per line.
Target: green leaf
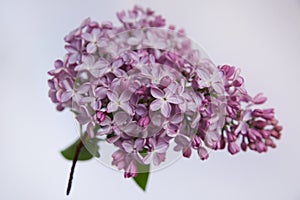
(142, 178)
(69, 152)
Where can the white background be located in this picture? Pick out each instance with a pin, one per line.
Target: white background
(260, 36)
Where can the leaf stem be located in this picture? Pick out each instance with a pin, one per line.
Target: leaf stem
(78, 149)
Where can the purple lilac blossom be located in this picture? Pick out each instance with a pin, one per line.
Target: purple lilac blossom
(143, 87)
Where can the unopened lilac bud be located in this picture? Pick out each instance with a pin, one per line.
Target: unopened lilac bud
(231, 137)
(257, 113)
(165, 81)
(60, 107)
(144, 121)
(274, 122)
(254, 134)
(244, 145)
(238, 82)
(233, 148)
(260, 124)
(259, 99)
(196, 143)
(100, 116)
(202, 153)
(141, 91)
(221, 144)
(269, 142)
(266, 133)
(228, 71)
(187, 153)
(260, 147)
(268, 114)
(58, 64)
(278, 128)
(275, 134)
(251, 145)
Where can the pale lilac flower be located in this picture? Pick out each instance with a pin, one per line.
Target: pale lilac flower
(243, 123)
(131, 170)
(71, 92)
(157, 152)
(119, 101)
(171, 125)
(90, 65)
(75, 52)
(93, 39)
(163, 101)
(211, 81)
(85, 117)
(183, 144)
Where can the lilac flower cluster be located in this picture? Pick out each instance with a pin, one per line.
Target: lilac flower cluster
(142, 87)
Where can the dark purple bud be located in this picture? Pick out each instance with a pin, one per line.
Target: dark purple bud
(269, 142)
(260, 124)
(260, 147)
(144, 121)
(238, 82)
(187, 153)
(266, 133)
(268, 114)
(221, 144)
(58, 64)
(60, 107)
(231, 137)
(100, 116)
(244, 145)
(228, 71)
(233, 148)
(196, 143)
(275, 134)
(278, 128)
(202, 153)
(259, 99)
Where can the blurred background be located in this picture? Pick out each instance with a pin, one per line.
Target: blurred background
(261, 37)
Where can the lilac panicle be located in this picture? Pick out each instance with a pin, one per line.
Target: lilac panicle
(144, 88)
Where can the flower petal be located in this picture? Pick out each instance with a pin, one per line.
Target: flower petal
(148, 158)
(125, 96)
(175, 100)
(161, 147)
(166, 109)
(101, 92)
(84, 88)
(112, 96)
(158, 158)
(128, 146)
(127, 108)
(177, 118)
(112, 107)
(65, 96)
(91, 48)
(121, 118)
(156, 105)
(157, 93)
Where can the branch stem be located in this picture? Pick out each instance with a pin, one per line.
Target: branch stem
(78, 149)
